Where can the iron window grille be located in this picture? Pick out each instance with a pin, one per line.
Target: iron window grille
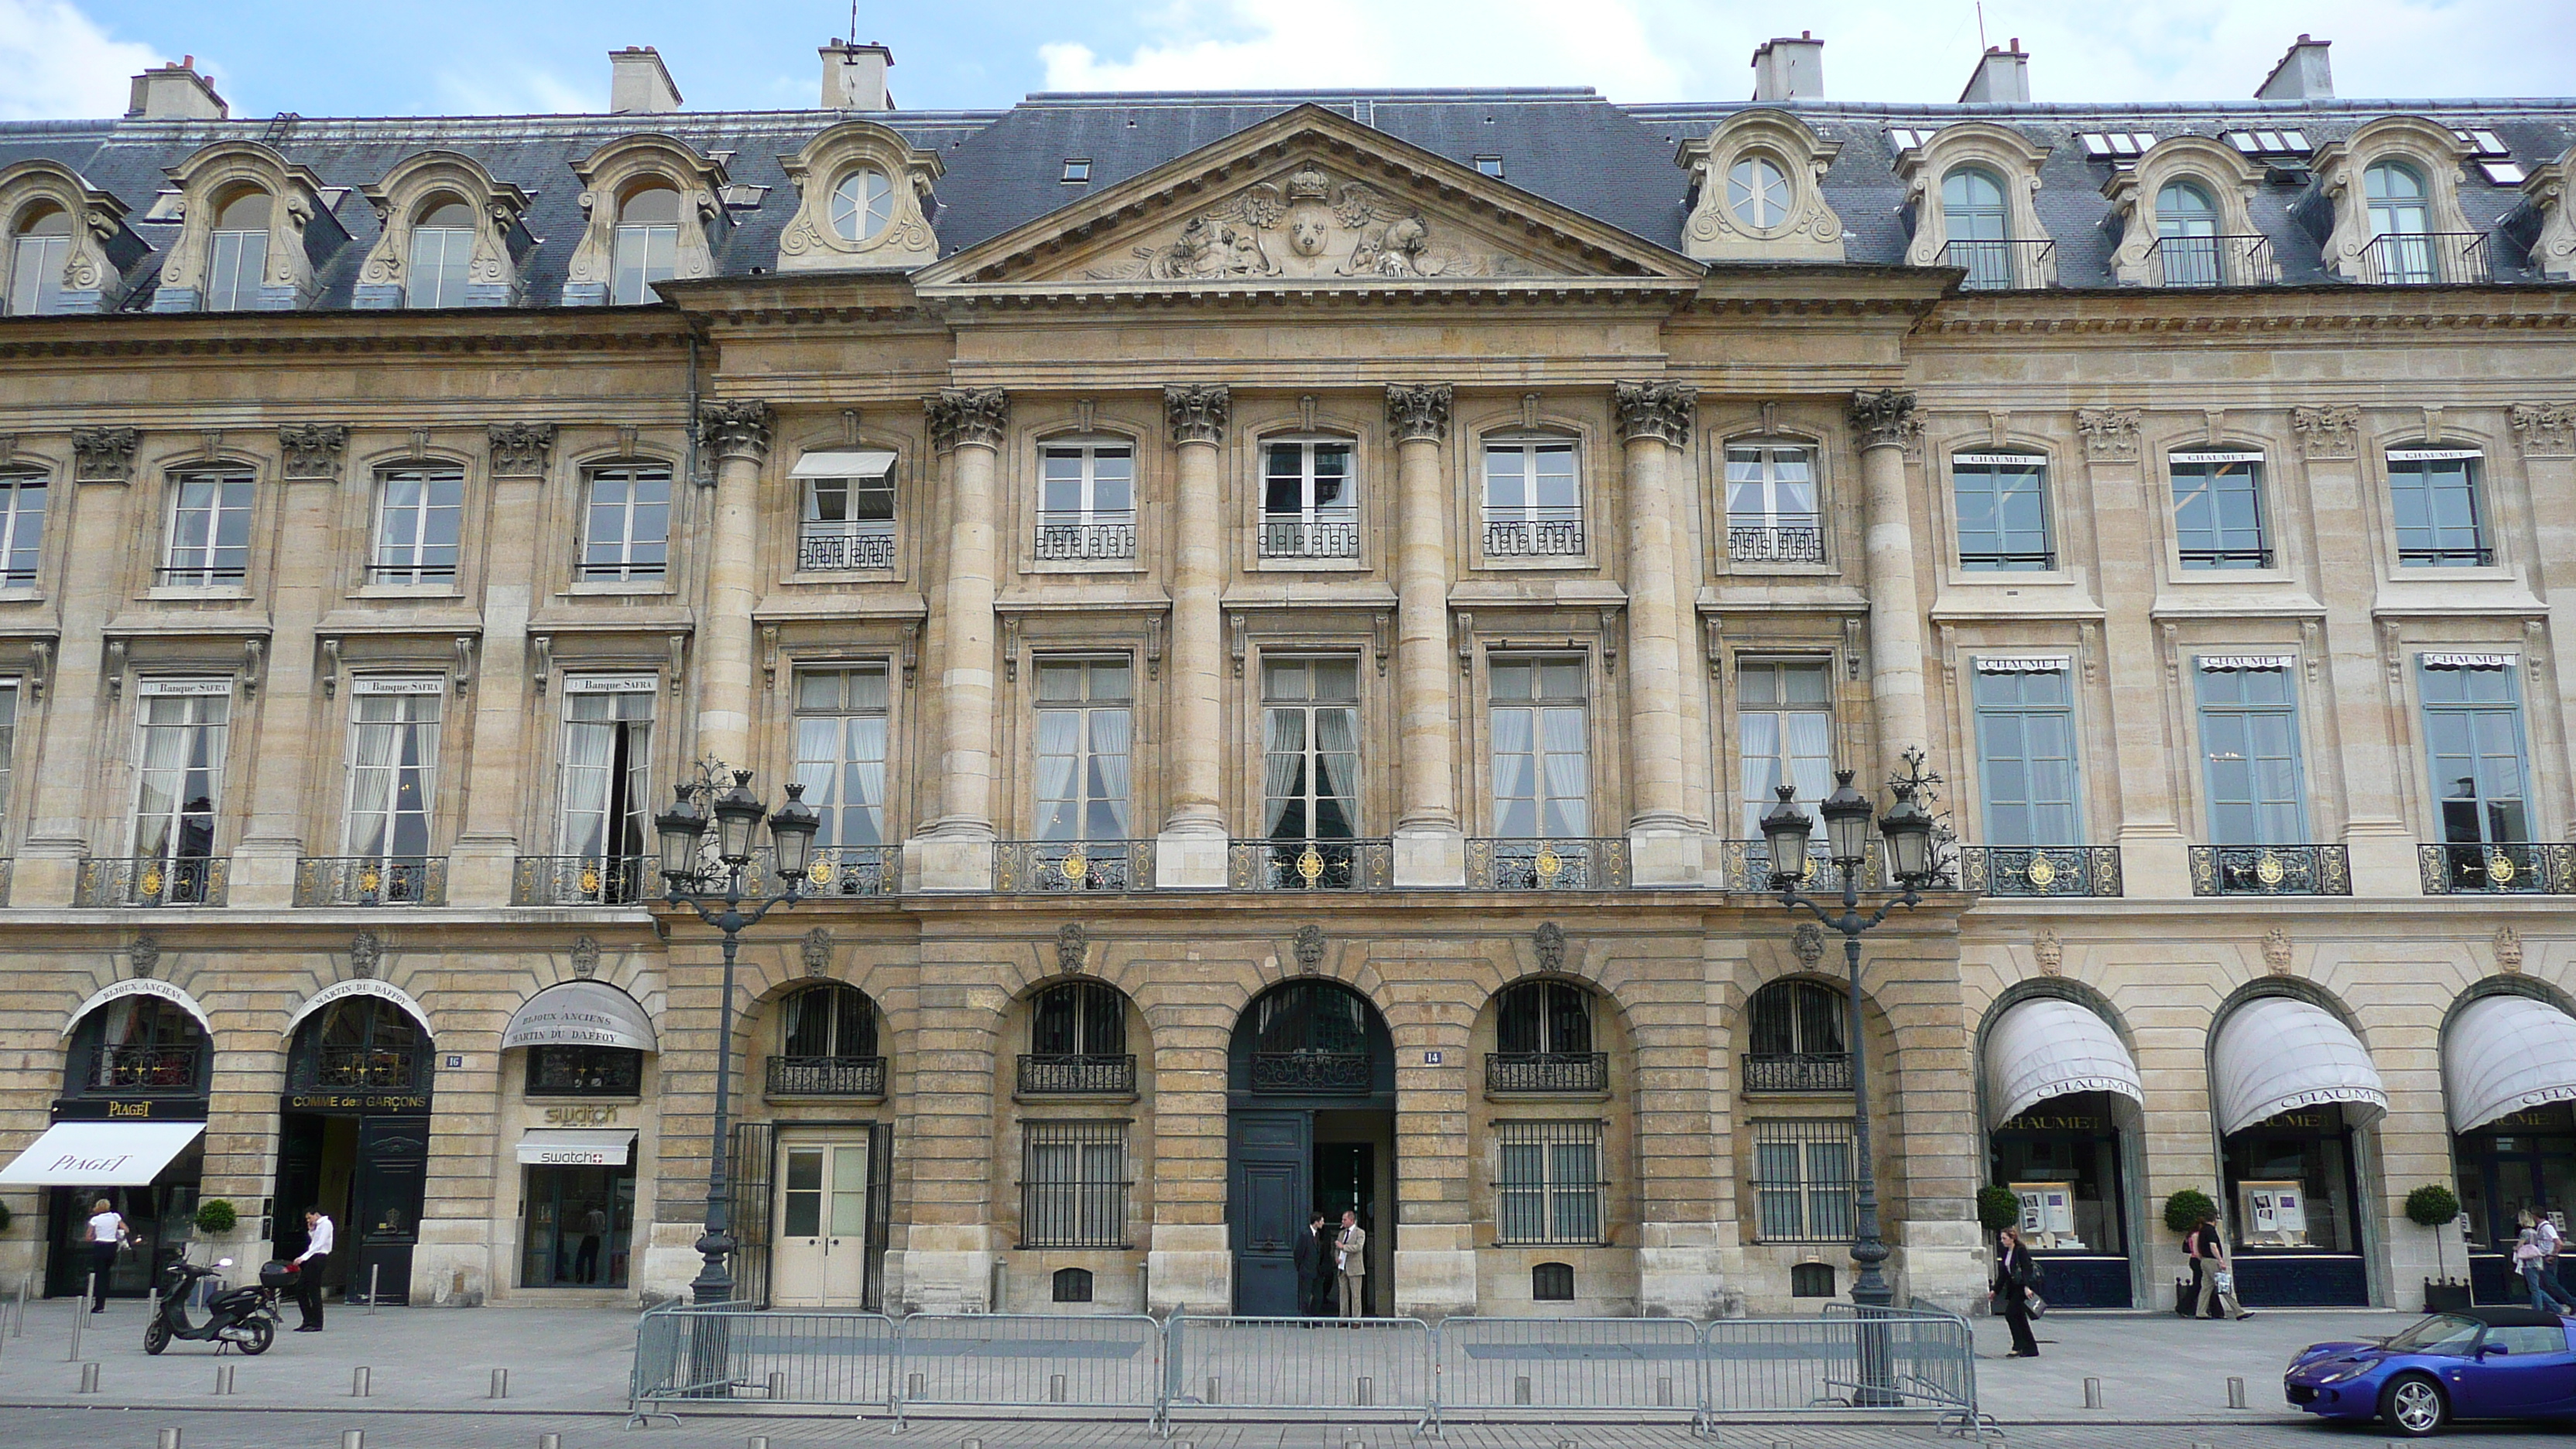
(1309, 501)
(1073, 1185)
(1078, 1041)
(1552, 1282)
(1797, 1033)
(827, 1038)
(1543, 1041)
(1547, 1186)
(1086, 502)
(1771, 510)
(848, 524)
(1802, 1180)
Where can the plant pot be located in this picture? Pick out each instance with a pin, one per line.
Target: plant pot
(2449, 1295)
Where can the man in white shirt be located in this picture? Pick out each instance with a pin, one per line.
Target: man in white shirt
(310, 1265)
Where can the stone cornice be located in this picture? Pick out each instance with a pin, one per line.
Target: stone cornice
(368, 334)
(2254, 311)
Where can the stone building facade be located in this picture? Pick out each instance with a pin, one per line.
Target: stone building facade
(1291, 608)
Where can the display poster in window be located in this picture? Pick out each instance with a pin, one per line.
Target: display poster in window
(2048, 1214)
(2274, 1213)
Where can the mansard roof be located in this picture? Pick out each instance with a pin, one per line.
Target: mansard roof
(1611, 163)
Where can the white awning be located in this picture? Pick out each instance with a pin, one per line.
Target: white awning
(100, 1154)
(576, 1146)
(2278, 1054)
(2504, 1054)
(2050, 1047)
(580, 1013)
(866, 463)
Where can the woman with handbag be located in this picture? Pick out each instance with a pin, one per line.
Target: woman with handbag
(2014, 1274)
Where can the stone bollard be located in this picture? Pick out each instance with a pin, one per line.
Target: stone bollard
(2235, 1393)
(166, 1439)
(89, 1378)
(549, 1441)
(80, 1313)
(1055, 1389)
(223, 1378)
(362, 1382)
(500, 1383)
(1361, 1391)
(353, 1439)
(2092, 1393)
(1520, 1389)
(758, 1441)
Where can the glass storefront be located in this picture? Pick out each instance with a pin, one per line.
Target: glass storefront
(2062, 1158)
(2526, 1160)
(2290, 1212)
(161, 1217)
(575, 1226)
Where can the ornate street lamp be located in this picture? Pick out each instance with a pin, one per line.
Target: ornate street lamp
(1907, 830)
(682, 831)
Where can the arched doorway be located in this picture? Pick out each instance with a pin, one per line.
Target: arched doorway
(1310, 1112)
(353, 1134)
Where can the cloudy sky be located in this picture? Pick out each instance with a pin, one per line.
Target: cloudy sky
(71, 58)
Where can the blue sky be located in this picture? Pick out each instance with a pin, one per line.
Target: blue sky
(64, 58)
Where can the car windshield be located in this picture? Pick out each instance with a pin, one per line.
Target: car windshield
(2441, 1333)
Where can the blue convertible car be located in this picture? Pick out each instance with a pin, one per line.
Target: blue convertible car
(2482, 1363)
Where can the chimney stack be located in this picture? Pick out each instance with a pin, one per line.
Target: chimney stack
(1790, 70)
(175, 93)
(854, 76)
(2302, 75)
(638, 85)
(2003, 76)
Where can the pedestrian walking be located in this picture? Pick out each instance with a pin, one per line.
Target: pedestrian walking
(2531, 1258)
(105, 1234)
(2551, 1241)
(2015, 1274)
(309, 1268)
(1350, 1258)
(2213, 1277)
(1308, 1251)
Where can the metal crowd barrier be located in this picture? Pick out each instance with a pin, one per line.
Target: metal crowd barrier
(1031, 1361)
(1877, 1361)
(732, 1352)
(1339, 1364)
(1491, 1368)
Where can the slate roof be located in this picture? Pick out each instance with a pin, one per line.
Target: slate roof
(1611, 162)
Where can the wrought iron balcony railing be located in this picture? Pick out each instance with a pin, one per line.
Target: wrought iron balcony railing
(1333, 1072)
(827, 1076)
(1075, 536)
(1041, 867)
(2426, 258)
(831, 870)
(2040, 870)
(585, 880)
(200, 576)
(2542, 868)
(2270, 870)
(358, 1069)
(1547, 865)
(149, 1069)
(1788, 540)
(1797, 1072)
(1534, 537)
(1299, 537)
(411, 573)
(1309, 865)
(2213, 261)
(2464, 556)
(367, 880)
(1068, 1074)
(1746, 866)
(840, 548)
(1547, 1071)
(153, 881)
(2001, 266)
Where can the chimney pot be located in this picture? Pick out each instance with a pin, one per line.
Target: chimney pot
(1790, 70)
(2302, 74)
(175, 93)
(854, 76)
(638, 85)
(2002, 77)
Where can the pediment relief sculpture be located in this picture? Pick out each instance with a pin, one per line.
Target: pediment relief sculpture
(862, 201)
(1756, 192)
(1313, 223)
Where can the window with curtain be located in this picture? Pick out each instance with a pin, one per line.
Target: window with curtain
(647, 244)
(1309, 508)
(2218, 510)
(209, 528)
(2002, 510)
(185, 728)
(420, 516)
(607, 795)
(1074, 1185)
(8, 741)
(2249, 741)
(2473, 742)
(1547, 1183)
(1079, 1018)
(2187, 235)
(1533, 505)
(393, 767)
(23, 499)
(1785, 735)
(39, 250)
(1541, 748)
(237, 252)
(2440, 512)
(1978, 227)
(627, 533)
(1802, 1181)
(1771, 504)
(841, 752)
(442, 251)
(1310, 749)
(2026, 756)
(1085, 729)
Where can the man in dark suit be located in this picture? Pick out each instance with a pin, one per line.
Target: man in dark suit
(1309, 1253)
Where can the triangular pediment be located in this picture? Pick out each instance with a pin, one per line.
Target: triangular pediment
(1307, 198)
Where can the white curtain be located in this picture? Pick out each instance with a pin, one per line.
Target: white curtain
(1568, 766)
(589, 739)
(1059, 742)
(864, 799)
(1811, 754)
(371, 781)
(1110, 729)
(1758, 767)
(1283, 770)
(1515, 774)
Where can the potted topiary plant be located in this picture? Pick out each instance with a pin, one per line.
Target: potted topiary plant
(2433, 1206)
(2187, 1209)
(1998, 1208)
(217, 1216)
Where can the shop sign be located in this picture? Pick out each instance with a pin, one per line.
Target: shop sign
(2323, 1095)
(2537, 1119)
(397, 1102)
(361, 986)
(2543, 1096)
(141, 1109)
(2466, 661)
(581, 1116)
(2033, 1122)
(140, 986)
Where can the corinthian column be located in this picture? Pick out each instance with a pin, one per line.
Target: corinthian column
(956, 851)
(1191, 848)
(1429, 851)
(1883, 423)
(737, 433)
(1655, 422)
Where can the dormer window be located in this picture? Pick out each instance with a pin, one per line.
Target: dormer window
(1077, 171)
(2187, 235)
(238, 259)
(1980, 228)
(1757, 191)
(2269, 143)
(862, 205)
(2400, 216)
(1490, 166)
(442, 248)
(40, 247)
(648, 244)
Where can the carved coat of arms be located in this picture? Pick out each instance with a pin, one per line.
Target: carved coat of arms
(1308, 225)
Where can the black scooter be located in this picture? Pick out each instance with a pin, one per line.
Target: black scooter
(244, 1318)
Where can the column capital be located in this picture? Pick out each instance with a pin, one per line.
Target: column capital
(104, 455)
(313, 450)
(2326, 432)
(1418, 410)
(1884, 419)
(2545, 430)
(519, 449)
(1197, 411)
(967, 417)
(735, 428)
(2110, 434)
(1655, 410)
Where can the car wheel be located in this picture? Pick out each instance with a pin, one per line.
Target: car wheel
(156, 1335)
(2413, 1406)
(262, 1334)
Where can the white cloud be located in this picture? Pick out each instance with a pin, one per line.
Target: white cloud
(523, 90)
(61, 66)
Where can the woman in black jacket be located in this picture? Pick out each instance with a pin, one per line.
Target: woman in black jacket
(2014, 1274)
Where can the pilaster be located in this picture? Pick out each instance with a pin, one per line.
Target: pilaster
(498, 748)
(2364, 721)
(2154, 858)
